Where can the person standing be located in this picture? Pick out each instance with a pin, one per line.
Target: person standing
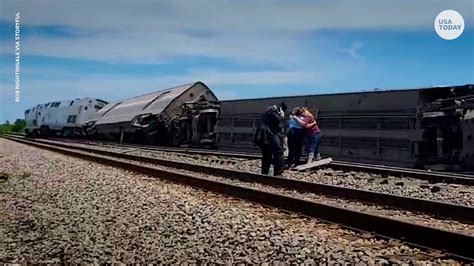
(295, 137)
(268, 138)
(313, 134)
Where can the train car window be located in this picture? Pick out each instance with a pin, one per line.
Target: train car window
(85, 108)
(46, 105)
(97, 107)
(157, 97)
(72, 119)
(111, 108)
(71, 103)
(101, 101)
(27, 111)
(191, 94)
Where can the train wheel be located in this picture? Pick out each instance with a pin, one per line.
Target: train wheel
(44, 131)
(66, 132)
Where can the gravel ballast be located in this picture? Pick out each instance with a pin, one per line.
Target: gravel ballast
(407, 187)
(384, 211)
(57, 208)
(400, 186)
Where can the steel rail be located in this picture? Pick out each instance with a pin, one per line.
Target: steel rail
(450, 174)
(431, 176)
(455, 243)
(435, 208)
(384, 170)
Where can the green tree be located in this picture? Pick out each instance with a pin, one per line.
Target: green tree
(19, 125)
(5, 128)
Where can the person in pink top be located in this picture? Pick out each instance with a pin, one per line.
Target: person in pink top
(313, 134)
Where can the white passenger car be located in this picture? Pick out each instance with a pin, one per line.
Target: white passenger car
(61, 118)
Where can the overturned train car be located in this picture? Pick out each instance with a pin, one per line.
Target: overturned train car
(424, 128)
(179, 116)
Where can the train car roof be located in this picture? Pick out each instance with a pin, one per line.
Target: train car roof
(66, 101)
(154, 103)
(470, 86)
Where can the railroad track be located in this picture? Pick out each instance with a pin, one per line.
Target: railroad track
(456, 243)
(384, 183)
(431, 176)
(441, 209)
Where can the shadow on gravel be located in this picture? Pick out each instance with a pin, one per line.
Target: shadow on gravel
(4, 176)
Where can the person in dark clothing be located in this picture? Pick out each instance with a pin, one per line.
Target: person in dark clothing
(268, 138)
(296, 135)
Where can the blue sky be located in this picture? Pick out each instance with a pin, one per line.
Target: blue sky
(241, 49)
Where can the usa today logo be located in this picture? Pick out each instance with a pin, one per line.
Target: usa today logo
(449, 24)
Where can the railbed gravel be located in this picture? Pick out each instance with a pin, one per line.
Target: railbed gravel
(408, 187)
(57, 208)
(413, 217)
(400, 186)
(405, 215)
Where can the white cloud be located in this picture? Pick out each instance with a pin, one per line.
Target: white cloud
(353, 50)
(100, 85)
(231, 15)
(264, 32)
(259, 78)
(244, 31)
(163, 47)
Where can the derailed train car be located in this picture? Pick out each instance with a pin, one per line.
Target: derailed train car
(425, 128)
(183, 115)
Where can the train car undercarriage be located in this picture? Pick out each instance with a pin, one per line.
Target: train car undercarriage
(193, 126)
(447, 138)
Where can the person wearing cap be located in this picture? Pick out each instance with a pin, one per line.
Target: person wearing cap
(268, 138)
